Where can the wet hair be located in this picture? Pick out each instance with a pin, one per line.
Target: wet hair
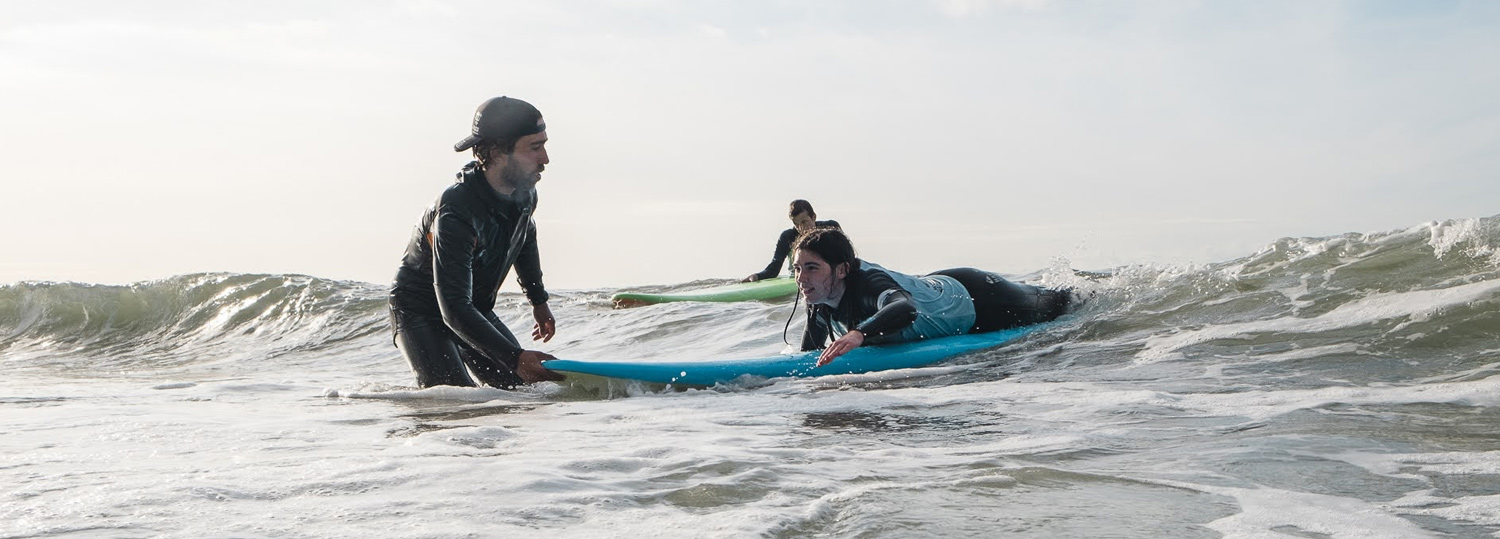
(800, 206)
(483, 149)
(831, 244)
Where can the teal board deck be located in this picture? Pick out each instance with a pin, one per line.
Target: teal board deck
(860, 360)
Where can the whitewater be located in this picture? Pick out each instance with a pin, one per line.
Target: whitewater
(1330, 387)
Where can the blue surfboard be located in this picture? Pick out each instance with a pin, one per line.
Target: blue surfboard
(860, 360)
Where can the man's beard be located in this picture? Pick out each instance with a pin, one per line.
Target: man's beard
(517, 178)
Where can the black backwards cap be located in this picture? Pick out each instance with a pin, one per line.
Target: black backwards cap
(503, 118)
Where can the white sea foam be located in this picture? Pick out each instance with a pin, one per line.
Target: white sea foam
(1272, 513)
(1484, 510)
(300, 419)
(1416, 305)
(1477, 234)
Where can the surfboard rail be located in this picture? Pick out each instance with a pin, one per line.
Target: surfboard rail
(860, 360)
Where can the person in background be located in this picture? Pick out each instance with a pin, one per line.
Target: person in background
(803, 219)
(858, 302)
(443, 298)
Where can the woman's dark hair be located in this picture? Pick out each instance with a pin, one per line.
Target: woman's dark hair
(831, 244)
(799, 206)
(484, 148)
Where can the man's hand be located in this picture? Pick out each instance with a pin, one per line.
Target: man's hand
(849, 341)
(752, 278)
(545, 326)
(529, 368)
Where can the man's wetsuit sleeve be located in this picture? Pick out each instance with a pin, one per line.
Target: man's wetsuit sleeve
(529, 268)
(815, 332)
(453, 248)
(783, 248)
(894, 308)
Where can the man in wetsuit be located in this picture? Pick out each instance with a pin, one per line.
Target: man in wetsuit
(803, 219)
(443, 298)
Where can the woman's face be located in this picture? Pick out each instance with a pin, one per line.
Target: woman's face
(815, 278)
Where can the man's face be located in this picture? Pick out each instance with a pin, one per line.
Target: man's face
(804, 221)
(815, 278)
(522, 169)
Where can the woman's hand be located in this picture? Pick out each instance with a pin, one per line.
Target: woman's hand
(849, 341)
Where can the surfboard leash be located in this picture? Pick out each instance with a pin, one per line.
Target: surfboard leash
(795, 301)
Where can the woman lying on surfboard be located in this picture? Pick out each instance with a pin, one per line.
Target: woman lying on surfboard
(866, 303)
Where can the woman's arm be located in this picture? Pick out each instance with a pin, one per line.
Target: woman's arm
(894, 311)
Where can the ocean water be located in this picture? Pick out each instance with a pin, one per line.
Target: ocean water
(1336, 387)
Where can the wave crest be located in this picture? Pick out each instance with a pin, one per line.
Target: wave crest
(199, 318)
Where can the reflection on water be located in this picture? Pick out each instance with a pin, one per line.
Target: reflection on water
(419, 429)
(855, 422)
(435, 420)
(471, 413)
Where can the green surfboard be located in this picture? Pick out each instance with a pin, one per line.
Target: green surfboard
(765, 289)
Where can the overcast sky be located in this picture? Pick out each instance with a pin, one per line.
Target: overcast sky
(148, 139)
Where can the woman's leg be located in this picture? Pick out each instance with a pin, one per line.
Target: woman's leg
(1001, 304)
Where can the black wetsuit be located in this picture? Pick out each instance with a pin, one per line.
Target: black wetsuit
(443, 298)
(998, 304)
(784, 248)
